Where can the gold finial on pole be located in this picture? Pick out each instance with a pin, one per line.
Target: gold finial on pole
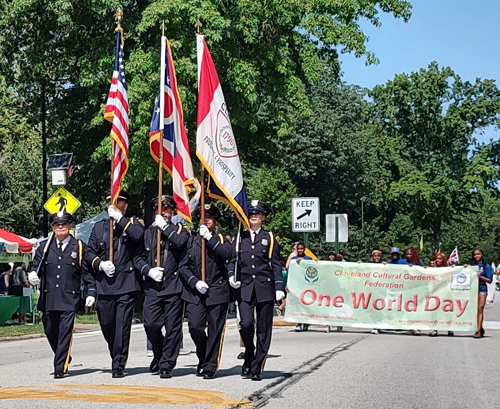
(198, 24)
(119, 16)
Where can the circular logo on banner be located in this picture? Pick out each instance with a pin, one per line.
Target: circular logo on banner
(461, 278)
(312, 274)
(226, 146)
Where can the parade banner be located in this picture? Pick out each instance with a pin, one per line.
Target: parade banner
(382, 296)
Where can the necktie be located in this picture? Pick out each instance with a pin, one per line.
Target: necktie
(253, 236)
(59, 246)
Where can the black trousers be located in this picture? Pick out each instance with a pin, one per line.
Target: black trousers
(58, 327)
(115, 314)
(208, 347)
(165, 312)
(255, 360)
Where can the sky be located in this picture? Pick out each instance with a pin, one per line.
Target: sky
(462, 34)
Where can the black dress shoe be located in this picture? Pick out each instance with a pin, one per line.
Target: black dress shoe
(256, 377)
(245, 371)
(118, 373)
(154, 366)
(208, 375)
(165, 374)
(199, 370)
(58, 375)
(241, 355)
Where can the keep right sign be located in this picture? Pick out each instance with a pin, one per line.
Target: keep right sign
(305, 214)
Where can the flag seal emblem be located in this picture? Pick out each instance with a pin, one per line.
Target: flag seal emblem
(312, 274)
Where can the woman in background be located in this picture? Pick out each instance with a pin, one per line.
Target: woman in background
(439, 260)
(485, 276)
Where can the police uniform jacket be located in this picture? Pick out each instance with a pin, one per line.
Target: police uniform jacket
(218, 252)
(127, 248)
(173, 248)
(61, 275)
(259, 267)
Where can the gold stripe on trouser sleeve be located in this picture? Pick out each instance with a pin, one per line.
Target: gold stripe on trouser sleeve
(263, 363)
(220, 346)
(69, 349)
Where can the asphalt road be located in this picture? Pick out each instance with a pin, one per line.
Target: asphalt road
(351, 369)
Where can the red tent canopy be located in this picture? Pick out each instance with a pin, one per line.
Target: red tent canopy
(10, 239)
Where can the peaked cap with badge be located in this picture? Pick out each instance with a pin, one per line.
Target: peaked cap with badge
(210, 209)
(256, 207)
(167, 201)
(61, 217)
(123, 195)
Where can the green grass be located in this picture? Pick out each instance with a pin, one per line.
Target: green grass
(90, 318)
(17, 329)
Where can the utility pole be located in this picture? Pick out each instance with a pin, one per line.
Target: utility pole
(44, 163)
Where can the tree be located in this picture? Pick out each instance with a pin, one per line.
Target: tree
(426, 122)
(267, 52)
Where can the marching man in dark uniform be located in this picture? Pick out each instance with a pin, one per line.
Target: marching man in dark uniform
(60, 264)
(207, 300)
(163, 287)
(259, 282)
(118, 282)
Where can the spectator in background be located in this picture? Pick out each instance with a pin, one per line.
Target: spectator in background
(19, 281)
(394, 256)
(5, 280)
(411, 258)
(292, 255)
(331, 256)
(376, 257)
(439, 260)
(485, 275)
(339, 257)
(301, 248)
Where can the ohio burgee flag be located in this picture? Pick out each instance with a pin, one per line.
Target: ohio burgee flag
(215, 143)
(168, 117)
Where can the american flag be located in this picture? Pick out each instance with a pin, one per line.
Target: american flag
(176, 154)
(117, 113)
(453, 258)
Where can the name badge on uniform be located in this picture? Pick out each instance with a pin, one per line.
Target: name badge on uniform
(265, 242)
(73, 254)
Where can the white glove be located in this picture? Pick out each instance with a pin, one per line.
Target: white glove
(33, 278)
(114, 213)
(156, 273)
(205, 233)
(108, 267)
(89, 301)
(234, 284)
(160, 222)
(280, 295)
(202, 286)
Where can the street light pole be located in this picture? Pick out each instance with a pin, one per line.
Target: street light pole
(44, 163)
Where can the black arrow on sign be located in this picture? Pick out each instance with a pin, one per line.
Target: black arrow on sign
(306, 213)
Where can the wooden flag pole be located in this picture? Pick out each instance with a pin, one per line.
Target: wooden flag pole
(111, 219)
(202, 221)
(160, 201)
(160, 165)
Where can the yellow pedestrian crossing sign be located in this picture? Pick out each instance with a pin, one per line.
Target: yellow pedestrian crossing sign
(62, 200)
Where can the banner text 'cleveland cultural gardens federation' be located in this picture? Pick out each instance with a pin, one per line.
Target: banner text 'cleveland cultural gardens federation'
(382, 296)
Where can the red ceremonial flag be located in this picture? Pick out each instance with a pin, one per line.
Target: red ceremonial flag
(168, 117)
(117, 113)
(215, 141)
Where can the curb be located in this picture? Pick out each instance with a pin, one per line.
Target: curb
(21, 337)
